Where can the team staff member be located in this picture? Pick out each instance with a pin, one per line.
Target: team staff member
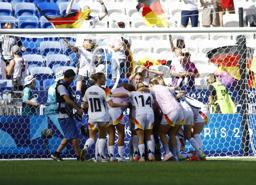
(219, 100)
(66, 117)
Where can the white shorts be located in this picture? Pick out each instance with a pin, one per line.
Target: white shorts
(173, 118)
(188, 113)
(144, 121)
(200, 115)
(102, 120)
(116, 116)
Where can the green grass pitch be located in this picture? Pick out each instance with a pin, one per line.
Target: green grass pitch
(153, 173)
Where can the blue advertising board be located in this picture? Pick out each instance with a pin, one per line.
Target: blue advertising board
(21, 136)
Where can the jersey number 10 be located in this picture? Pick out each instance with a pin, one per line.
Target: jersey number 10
(95, 104)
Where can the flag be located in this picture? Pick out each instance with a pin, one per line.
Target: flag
(72, 20)
(227, 58)
(153, 13)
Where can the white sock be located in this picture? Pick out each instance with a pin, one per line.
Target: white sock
(135, 142)
(102, 143)
(96, 149)
(121, 151)
(198, 140)
(151, 146)
(111, 151)
(89, 142)
(142, 150)
(194, 144)
(166, 148)
(153, 140)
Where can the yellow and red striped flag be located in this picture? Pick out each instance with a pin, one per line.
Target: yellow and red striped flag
(153, 13)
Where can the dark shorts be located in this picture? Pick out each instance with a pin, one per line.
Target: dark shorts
(192, 15)
(68, 126)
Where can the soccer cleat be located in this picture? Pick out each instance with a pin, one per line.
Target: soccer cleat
(103, 159)
(194, 158)
(136, 156)
(181, 158)
(120, 159)
(82, 154)
(202, 156)
(56, 157)
(151, 157)
(112, 159)
(142, 159)
(169, 157)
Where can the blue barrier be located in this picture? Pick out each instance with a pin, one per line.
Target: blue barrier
(21, 136)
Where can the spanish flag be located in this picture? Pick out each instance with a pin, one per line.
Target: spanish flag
(72, 20)
(153, 13)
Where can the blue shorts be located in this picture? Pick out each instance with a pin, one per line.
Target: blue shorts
(193, 15)
(68, 126)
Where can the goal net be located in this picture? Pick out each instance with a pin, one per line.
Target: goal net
(217, 68)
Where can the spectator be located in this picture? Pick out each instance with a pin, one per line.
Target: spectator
(210, 15)
(29, 100)
(16, 67)
(189, 10)
(2, 68)
(8, 41)
(86, 66)
(91, 20)
(223, 6)
(66, 117)
(176, 66)
(250, 16)
(219, 99)
(189, 74)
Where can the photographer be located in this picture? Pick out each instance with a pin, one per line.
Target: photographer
(66, 118)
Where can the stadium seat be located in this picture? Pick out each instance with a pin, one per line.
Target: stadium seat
(44, 23)
(38, 86)
(40, 70)
(28, 22)
(5, 9)
(33, 60)
(48, 9)
(231, 20)
(50, 47)
(63, 7)
(63, 68)
(47, 83)
(9, 19)
(25, 9)
(57, 59)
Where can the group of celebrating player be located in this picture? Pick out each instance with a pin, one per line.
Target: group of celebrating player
(155, 111)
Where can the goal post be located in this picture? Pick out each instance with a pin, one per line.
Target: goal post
(228, 53)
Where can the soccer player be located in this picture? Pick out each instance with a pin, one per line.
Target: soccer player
(200, 111)
(173, 116)
(142, 101)
(96, 99)
(117, 122)
(188, 125)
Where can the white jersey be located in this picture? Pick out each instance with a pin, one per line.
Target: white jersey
(142, 102)
(98, 109)
(144, 114)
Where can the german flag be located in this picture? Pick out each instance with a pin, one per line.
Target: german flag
(72, 20)
(153, 13)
